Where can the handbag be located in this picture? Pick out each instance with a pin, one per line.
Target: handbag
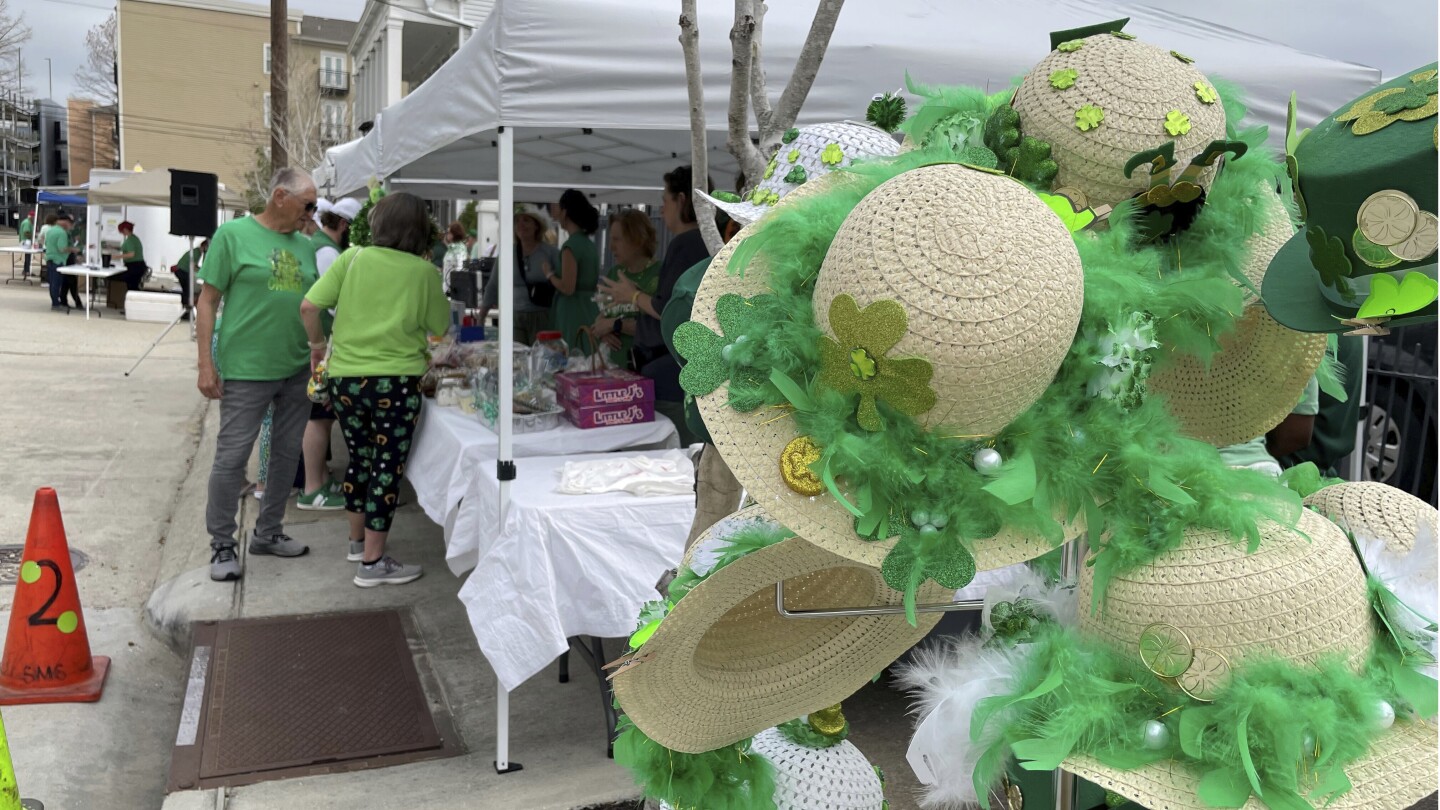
(541, 293)
(318, 388)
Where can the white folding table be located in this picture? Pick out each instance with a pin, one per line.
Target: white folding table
(91, 272)
(16, 251)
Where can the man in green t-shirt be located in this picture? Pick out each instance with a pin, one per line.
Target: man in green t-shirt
(27, 230)
(58, 251)
(260, 267)
(183, 270)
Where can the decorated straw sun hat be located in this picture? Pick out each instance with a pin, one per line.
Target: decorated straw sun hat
(955, 294)
(806, 154)
(809, 762)
(721, 664)
(1215, 677)
(1365, 179)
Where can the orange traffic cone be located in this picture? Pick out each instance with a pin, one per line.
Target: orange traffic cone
(47, 651)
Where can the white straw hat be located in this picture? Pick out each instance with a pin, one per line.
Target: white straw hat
(805, 154)
(991, 285)
(724, 665)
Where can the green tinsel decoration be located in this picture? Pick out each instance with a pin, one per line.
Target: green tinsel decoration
(1129, 473)
(886, 111)
(360, 228)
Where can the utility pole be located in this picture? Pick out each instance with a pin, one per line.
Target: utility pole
(279, 73)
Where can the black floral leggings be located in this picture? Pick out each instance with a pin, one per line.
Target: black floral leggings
(377, 416)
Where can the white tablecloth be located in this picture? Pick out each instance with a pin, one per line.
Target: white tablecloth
(452, 447)
(562, 565)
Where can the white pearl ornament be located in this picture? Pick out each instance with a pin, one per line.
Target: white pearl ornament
(988, 461)
(1384, 715)
(1157, 735)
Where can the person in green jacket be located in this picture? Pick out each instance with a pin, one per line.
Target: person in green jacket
(387, 300)
(574, 309)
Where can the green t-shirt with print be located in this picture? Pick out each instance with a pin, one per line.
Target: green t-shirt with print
(262, 276)
(57, 246)
(387, 303)
(132, 245)
(1253, 452)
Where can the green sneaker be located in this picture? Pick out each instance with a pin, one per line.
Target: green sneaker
(321, 500)
(335, 487)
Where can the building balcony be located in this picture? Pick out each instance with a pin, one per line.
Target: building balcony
(334, 81)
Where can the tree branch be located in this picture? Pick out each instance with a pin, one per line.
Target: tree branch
(752, 163)
(806, 68)
(699, 165)
(759, 93)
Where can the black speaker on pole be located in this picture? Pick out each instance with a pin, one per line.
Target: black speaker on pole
(29, 196)
(194, 196)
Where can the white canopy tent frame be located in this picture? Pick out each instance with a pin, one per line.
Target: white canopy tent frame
(538, 67)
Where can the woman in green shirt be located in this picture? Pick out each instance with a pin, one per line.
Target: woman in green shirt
(633, 242)
(387, 300)
(574, 308)
(132, 253)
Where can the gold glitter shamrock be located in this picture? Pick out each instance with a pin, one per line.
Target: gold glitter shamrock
(1064, 78)
(1071, 46)
(856, 362)
(1177, 123)
(1206, 93)
(1088, 117)
(832, 155)
(1383, 108)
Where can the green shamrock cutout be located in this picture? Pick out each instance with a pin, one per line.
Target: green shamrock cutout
(1064, 78)
(903, 383)
(1025, 158)
(1065, 210)
(1070, 46)
(1122, 35)
(382, 386)
(1327, 254)
(1384, 107)
(948, 563)
(796, 175)
(1088, 117)
(793, 156)
(1206, 93)
(1177, 123)
(1154, 225)
(1390, 298)
(1414, 97)
(1182, 57)
(707, 354)
(832, 155)
(790, 135)
(770, 169)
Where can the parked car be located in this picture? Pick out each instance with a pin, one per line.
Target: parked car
(1400, 428)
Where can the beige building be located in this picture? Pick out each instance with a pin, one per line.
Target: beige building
(195, 85)
(93, 140)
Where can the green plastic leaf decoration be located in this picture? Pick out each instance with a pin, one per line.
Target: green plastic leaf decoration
(1224, 788)
(770, 169)
(1064, 78)
(902, 383)
(1041, 754)
(1070, 46)
(1206, 93)
(1177, 123)
(1390, 298)
(1016, 481)
(726, 196)
(1122, 35)
(1088, 117)
(790, 135)
(832, 155)
(796, 175)
(1182, 57)
(1327, 254)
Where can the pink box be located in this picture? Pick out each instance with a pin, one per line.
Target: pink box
(604, 388)
(608, 415)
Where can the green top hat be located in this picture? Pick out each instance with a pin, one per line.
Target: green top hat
(1365, 181)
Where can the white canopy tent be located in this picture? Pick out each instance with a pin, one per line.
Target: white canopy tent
(152, 188)
(591, 94)
(598, 89)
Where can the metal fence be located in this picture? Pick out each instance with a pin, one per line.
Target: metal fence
(1398, 433)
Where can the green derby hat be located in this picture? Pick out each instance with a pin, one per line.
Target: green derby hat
(1365, 182)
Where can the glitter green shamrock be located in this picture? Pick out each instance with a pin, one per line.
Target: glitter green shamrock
(790, 135)
(1064, 78)
(1071, 46)
(856, 362)
(1088, 117)
(1206, 93)
(1182, 57)
(948, 562)
(832, 155)
(1384, 107)
(793, 156)
(770, 169)
(707, 355)
(1327, 255)
(796, 175)
(1177, 123)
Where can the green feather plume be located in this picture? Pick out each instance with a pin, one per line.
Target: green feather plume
(729, 778)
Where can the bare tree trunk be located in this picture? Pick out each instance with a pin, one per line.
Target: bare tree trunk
(742, 33)
(759, 94)
(806, 68)
(699, 164)
(279, 75)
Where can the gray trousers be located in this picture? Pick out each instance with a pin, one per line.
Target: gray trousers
(242, 408)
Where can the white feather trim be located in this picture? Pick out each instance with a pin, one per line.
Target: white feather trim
(1412, 577)
(947, 681)
(993, 578)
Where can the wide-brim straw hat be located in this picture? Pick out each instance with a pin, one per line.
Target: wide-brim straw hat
(1135, 87)
(992, 287)
(1301, 596)
(724, 665)
(804, 158)
(1262, 368)
(540, 216)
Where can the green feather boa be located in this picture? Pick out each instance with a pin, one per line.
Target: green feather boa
(1280, 731)
(1129, 473)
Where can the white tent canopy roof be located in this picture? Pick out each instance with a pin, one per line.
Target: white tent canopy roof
(596, 88)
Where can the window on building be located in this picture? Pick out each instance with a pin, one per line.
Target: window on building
(333, 75)
(266, 61)
(267, 110)
(332, 123)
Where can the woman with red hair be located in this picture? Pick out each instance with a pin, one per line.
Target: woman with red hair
(133, 255)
